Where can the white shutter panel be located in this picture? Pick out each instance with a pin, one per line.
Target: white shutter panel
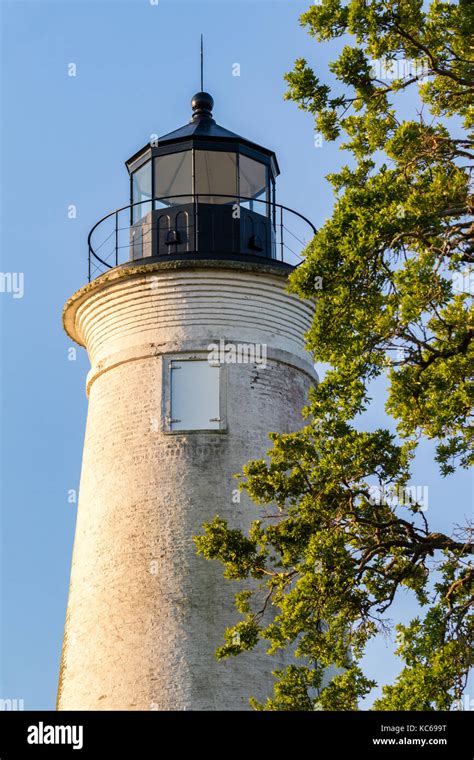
(194, 395)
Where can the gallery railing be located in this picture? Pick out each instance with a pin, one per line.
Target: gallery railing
(198, 224)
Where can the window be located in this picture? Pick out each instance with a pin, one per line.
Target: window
(215, 172)
(253, 184)
(173, 177)
(193, 395)
(141, 191)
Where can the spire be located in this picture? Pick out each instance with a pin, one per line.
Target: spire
(202, 102)
(202, 63)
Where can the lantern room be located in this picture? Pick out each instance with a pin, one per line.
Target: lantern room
(202, 190)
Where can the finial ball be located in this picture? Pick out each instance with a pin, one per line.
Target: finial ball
(202, 104)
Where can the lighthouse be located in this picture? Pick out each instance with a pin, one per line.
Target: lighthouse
(197, 352)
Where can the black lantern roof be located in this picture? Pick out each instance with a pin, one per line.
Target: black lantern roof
(202, 131)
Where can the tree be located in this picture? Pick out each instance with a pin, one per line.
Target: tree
(396, 261)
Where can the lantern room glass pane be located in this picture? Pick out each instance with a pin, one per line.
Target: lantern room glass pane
(253, 178)
(215, 176)
(173, 178)
(141, 191)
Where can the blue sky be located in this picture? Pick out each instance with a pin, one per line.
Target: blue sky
(64, 141)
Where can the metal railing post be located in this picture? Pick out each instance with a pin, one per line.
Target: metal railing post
(196, 235)
(116, 238)
(281, 231)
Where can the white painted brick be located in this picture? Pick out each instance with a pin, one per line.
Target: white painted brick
(134, 639)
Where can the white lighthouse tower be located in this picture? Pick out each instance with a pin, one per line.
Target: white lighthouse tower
(197, 352)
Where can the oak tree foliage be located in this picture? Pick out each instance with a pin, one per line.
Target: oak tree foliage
(339, 535)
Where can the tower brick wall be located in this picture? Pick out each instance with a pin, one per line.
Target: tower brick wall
(145, 612)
